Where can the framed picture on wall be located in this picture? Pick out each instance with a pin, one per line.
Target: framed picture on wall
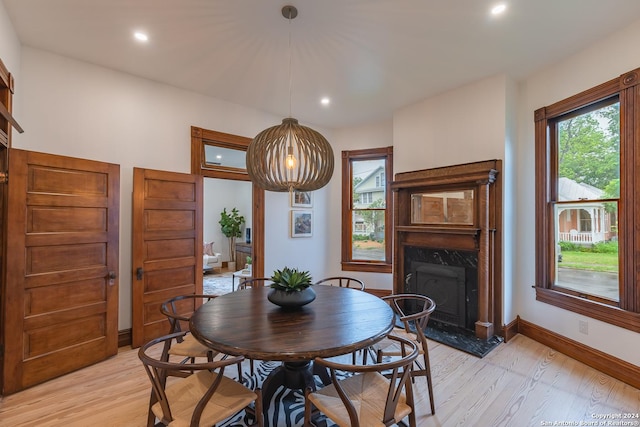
(301, 223)
(301, 199)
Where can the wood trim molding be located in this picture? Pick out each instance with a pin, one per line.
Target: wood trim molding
(124, 338)
(510, 330)
(378, 292)
(603, 362)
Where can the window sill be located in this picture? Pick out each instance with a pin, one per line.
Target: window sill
(604, 312)
(367, 266)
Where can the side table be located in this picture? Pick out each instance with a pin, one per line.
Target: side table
(242, 275)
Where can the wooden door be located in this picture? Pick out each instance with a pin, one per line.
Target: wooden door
(167, 246)
(61, 300)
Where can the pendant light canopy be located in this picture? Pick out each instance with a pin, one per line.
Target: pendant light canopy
(289, 156)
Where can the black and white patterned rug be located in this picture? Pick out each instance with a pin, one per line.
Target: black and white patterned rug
(286, 407)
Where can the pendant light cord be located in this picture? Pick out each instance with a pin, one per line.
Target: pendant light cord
(290, 72)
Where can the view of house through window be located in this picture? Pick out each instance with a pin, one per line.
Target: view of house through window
(586, 208)
(368, 210)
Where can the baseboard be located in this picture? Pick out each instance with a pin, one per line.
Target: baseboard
(603, 362)
(124, 338)
(379, 292)
(510, 330)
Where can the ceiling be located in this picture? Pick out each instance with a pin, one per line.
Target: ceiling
(370, 57)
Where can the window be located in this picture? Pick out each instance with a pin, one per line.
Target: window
(586, 205)
(366, 210)
(366, 198)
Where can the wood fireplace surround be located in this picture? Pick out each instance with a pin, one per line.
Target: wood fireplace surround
(454, 208)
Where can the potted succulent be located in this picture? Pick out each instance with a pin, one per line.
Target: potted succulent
(291, 288)
(231, 226)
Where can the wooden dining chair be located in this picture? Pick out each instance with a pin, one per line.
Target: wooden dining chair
(413, 311)
(346, 282)
(203, 396)
(178, 311)
(254, 282)
(343, 282)
(379, 394)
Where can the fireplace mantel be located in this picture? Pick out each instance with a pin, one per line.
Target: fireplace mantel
(454, 208)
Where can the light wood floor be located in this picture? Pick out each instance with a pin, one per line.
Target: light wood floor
(521, 383)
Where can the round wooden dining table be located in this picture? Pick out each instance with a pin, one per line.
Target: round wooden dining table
(339, 321)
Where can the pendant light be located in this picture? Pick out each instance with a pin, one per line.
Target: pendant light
(289, 156)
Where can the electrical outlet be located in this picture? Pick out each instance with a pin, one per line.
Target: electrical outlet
(583, 327)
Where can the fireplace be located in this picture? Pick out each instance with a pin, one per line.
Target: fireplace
(447, 243)
(447, 277)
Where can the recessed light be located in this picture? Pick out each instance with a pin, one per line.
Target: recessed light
(498, 9)
(325, 101)
(140, 36)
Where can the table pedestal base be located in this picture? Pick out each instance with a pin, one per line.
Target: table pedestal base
(292, 375)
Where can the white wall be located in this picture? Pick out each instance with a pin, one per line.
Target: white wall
(463, 125)
(603, 61)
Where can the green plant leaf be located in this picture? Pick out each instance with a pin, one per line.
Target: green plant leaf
(290, 280)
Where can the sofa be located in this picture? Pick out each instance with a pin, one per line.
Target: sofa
(210, 259)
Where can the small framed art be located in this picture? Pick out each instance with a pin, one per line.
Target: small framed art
(301, 223)
(301, 199)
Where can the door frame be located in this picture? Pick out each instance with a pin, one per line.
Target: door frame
(202, 137)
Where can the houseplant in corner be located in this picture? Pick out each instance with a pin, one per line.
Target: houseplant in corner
(231, 226)
(291, 288)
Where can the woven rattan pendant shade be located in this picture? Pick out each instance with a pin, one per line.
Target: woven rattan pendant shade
(290, 157)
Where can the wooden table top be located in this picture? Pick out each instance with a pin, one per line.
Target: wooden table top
(245, 322)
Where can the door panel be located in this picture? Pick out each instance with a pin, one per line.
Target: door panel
(61, 305)
(167, 246)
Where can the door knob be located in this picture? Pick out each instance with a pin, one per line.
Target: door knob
(139, 272)
(112, 277)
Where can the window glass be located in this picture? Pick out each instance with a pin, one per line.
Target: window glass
(227, 157)
(586, 209)
(369, 201)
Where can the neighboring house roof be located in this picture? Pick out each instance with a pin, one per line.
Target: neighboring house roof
(368, 183)
(568, 189)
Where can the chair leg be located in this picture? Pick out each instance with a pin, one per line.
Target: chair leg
(259, 409)
(151, 417)
(427, 369)
(307, 409)
(240, 378)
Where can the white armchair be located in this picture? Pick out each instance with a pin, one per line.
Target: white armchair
(210, 259)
